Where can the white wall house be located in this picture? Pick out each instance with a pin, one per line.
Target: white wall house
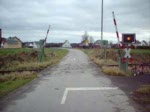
(66, 44)
(33, 44)
(36, 45)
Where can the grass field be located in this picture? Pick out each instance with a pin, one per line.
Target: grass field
(24, 59)
(140, 51)
(12, 81)
(5, 52)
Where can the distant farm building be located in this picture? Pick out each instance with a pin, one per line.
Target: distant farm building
(66, 44)
(12, 42)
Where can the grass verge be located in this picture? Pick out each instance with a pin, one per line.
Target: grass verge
(13, 51)
(113, 71)
(14, 80)
(97, 56)
(145, 89)
(142, 96)
(30, 61)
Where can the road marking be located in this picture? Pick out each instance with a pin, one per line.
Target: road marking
(64, 96)
(84, 89)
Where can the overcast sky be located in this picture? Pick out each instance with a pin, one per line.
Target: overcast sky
(29, 19)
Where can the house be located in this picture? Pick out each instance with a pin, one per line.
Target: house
(84, 43)
(32, 44)
(26, 44)
(48, 45)
(12, 42)
(98, 43)
(137, 43)
(66, 44)
(36, 44)
(102, 43)
(85, 40)
(144, 43)
(75, 45)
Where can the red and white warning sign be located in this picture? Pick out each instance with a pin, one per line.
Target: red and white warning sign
(127, 53)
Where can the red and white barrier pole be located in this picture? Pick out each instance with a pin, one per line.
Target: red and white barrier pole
(115, 23)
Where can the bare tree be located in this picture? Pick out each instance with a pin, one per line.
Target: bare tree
(85, 36)
(91, 39)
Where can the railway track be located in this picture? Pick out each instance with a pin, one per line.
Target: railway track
(12, 71)
(137, 69)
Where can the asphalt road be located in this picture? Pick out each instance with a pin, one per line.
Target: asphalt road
(74, 85)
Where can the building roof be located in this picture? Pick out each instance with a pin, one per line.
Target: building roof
(138, 42)
(66, 44)
(84, 42)
(145, 42)
(11, 40)
(66, 41)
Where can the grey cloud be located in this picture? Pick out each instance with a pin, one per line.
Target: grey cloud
(72, 15)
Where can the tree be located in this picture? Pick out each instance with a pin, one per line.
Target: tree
(85, 36)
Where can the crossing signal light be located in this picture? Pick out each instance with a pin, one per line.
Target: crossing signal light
(128, 38)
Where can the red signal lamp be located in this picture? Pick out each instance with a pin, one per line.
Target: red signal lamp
(128, 38)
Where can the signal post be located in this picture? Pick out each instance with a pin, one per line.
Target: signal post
(127, 45)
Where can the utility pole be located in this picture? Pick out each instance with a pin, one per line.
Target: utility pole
(102, 22)
(102, 41)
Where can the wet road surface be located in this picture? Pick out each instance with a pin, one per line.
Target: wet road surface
(74, 85)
